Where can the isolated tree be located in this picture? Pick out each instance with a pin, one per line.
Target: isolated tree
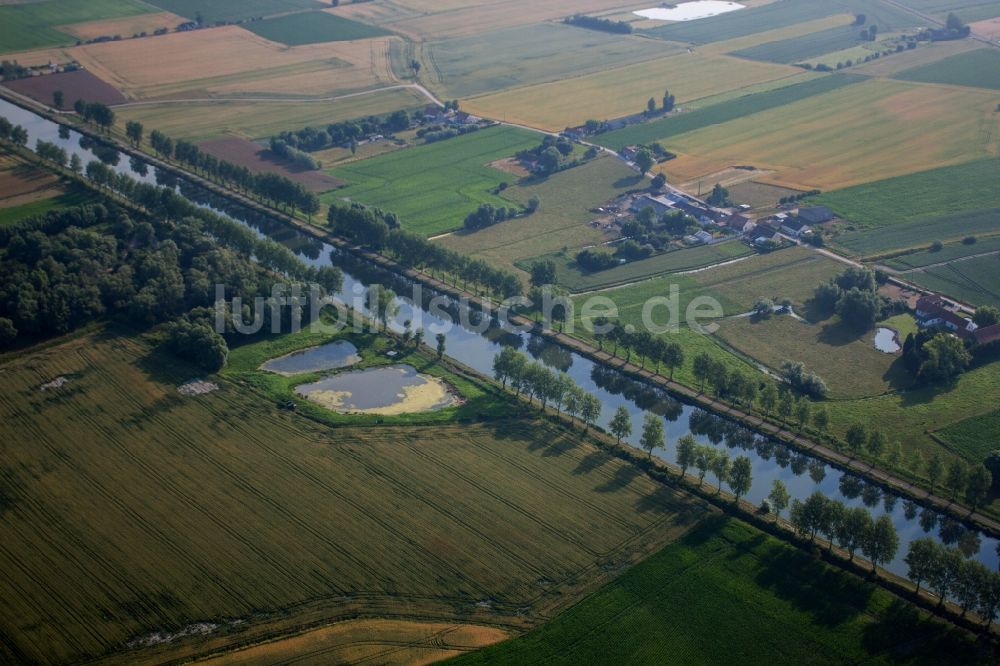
(652, 433)
(955, 479)
(721, 467)
(986, 315)
(702, 368)
(550, 159)
(58, 98)
(687, 449)
(853, 529)
(977, 488)
(922, 559)
(133, 130)
(876, 443)
(382, 304)
(75, 163)
(821, 419)
(881, 541)
(621, 424)
(935, 468)
(768, 397)
(786, 405)
(719, 196)
(946, 358)
(533, 203)
(543, 272)
(741, 477)
(802, 410)
(855, 438)
(644, 160)
(651, 106)
(441, 341)
(590, 409)
(779, 497)
(703, 461)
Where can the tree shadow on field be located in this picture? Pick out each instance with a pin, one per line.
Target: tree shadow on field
(829, 596)
(905, 634)
(838, 334)
(897, 376)
(621, 478)
(590, 462)
(559, 447)
(628, 181)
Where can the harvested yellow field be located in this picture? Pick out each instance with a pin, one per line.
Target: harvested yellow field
(37, 57)
(867, 131)
(232, 61)
(258, 119)
(990, 28)
(126, 27)
(778, 34)
(356, 641)
(441, 20)
(625, 90)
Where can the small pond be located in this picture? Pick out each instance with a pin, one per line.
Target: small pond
(886, 340)
(395, 389)
(331, 356)
(689, 11)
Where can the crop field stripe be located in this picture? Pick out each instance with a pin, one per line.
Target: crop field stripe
(802, 48)
(979, 68)
(645, 133)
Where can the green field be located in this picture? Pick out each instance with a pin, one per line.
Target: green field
(849, 364)
(926, 194)
(920, 233)
(912, 416)
(968, 10)
(34, 25)
(570, 276)
(562, 219)
(487, 62)
(729, 594)
(778, 15)
(801, 49)
(232, 10)
(949, 252)
(975, 437)
(74, 197)
(156, 511)
(312, 28)
(434, 186)
(972, 281)
(979, 68)
(740, 107)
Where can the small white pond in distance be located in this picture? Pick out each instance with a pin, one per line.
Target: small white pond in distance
(689, 11)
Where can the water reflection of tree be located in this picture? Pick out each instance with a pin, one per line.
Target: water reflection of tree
(850, 486)
(552, 355)
(871, 495)
(645, 397)
(889, 502)
(800, 463)
(928, 520)
(817, 471)
(910, 509)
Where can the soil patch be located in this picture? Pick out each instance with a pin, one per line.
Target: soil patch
(80, 84)
(256, 158)
(510, 165)
(197, 387)
(24, 181)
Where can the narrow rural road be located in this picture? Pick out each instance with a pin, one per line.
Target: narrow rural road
(921, 269)
(285, 100)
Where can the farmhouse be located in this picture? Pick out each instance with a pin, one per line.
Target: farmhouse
(660, 204)
(764, 235)
(795, 227)
(815, 214)
(987, 334)
(740, 223)
(932, 312)
(701, 237)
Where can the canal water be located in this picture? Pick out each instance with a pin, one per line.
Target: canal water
(771, 460)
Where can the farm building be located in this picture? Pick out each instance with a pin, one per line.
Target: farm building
(796, 227)
(660, 205)
(932, 312)
(698, 238)
(739, 223)
(816, 214)
(987, 334)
